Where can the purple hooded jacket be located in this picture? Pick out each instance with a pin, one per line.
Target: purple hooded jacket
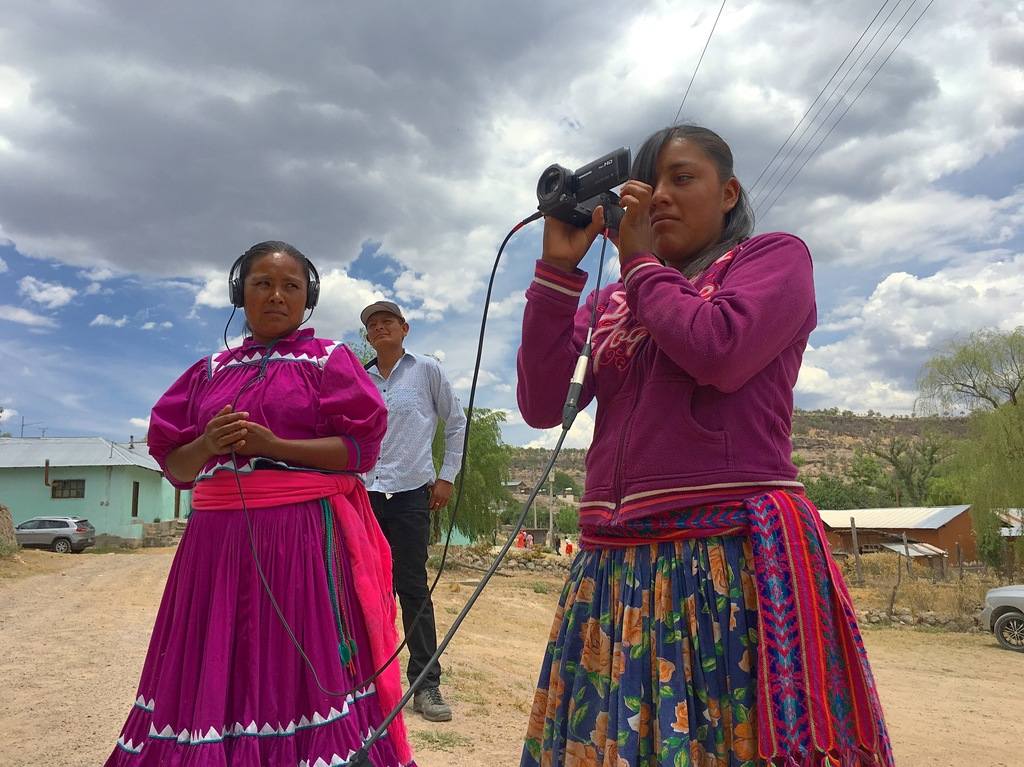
(694, 380)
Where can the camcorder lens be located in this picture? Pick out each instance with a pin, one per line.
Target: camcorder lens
(551, 183)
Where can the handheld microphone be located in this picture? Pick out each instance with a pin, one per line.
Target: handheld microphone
(572, 399)
(613, 217)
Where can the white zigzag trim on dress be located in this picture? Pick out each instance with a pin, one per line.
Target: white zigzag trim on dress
(336, 759)
(187, 737)
(328, 351)
(145, 705)
(128, 746)
(252, 357)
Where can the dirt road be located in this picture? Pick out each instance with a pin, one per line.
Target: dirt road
(73, 635)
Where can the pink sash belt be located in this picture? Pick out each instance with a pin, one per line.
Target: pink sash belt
(367, 549)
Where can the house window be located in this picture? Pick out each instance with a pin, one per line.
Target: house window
(135, 499)
(67, 488)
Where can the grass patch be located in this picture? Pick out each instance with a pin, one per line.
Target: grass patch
(440, 740)
(540, 587)
(109, 550)
(7, 549)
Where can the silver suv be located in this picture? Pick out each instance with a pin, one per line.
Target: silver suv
(61, 534)
(1004, 616)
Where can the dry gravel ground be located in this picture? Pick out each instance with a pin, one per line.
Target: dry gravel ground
(74, 630)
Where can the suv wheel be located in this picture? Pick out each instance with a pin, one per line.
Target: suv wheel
(62, 546)
(1009, 631)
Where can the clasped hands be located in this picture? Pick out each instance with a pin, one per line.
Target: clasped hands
(230, 431)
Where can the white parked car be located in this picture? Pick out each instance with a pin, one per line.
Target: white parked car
(60, 534)
(1004, 616)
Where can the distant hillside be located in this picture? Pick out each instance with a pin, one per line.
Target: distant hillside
(825, 438)
(822, 439)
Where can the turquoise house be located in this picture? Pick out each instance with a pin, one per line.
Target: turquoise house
(116, 486)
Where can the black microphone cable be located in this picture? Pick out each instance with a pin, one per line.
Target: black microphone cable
(363, 684)
(569, 413)
(261, 376)
(361, 758)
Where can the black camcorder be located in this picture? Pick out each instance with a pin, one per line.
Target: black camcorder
(572, 197)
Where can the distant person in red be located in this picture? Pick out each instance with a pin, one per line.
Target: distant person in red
(521, 540)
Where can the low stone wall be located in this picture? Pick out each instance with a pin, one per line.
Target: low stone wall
(159, 534)
(905, 617)
(517, 561)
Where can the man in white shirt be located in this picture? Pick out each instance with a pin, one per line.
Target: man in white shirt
(403, 487)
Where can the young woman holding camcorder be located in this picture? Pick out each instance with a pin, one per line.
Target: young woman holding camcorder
(704, 621)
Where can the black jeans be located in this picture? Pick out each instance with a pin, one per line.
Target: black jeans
(405, 520)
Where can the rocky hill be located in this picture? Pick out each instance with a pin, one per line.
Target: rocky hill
(822, 441)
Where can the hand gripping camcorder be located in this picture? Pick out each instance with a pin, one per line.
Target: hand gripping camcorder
(572, 197)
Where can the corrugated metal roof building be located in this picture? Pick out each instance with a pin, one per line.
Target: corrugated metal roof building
(942, 527)
(115, 486)
(73, 451)
(1011, 523)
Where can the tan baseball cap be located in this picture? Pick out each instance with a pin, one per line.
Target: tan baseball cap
(380, 306)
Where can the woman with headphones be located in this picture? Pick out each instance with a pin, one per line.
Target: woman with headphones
(261, 652)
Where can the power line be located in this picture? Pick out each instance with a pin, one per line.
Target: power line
(801, 144)
(764, 196)
(697, 68)
(823, 138)
(830, 79)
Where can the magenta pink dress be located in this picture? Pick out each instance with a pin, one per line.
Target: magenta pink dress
(222, 684)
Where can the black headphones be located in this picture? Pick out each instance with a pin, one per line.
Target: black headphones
(236, 288)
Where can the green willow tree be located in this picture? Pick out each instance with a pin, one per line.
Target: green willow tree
(984, 374)
(482, 482)
(991, 470)
(983, 371)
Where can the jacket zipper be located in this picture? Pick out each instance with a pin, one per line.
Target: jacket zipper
(626, 430)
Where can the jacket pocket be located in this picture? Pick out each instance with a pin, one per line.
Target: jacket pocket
(665, 440)
(601, 460)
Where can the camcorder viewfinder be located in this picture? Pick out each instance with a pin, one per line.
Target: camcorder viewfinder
(572, 197)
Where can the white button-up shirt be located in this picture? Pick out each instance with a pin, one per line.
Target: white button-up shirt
(417, 395)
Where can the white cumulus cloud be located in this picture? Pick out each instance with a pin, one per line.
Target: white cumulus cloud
(580, 435)
(102, 320)
(907, 320)
(25, 317)
(52, 295)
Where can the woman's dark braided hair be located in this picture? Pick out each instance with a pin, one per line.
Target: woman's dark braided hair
(739, 222)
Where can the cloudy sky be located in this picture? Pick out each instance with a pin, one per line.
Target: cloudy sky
(143, 147)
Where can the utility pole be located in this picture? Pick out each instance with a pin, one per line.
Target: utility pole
(31, 423)
(856, 552)
(551, 515)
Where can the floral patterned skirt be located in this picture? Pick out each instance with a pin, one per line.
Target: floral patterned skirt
(651, 659)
